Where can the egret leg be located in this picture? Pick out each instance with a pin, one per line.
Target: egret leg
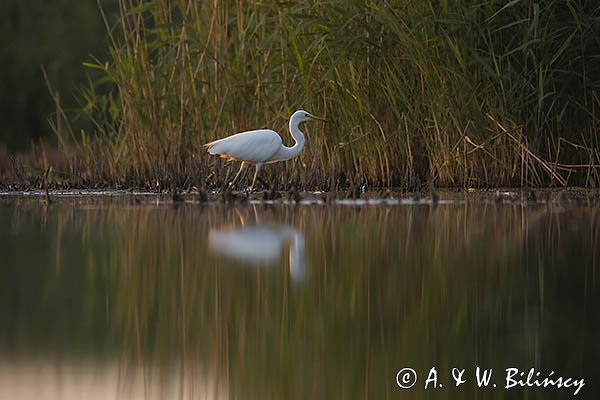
(238, 174)
(255, 175)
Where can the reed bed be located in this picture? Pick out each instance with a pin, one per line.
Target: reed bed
(491, 93)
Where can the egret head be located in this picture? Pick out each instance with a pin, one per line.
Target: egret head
(303, 116)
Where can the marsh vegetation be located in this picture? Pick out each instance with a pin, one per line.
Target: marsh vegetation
(472, 95)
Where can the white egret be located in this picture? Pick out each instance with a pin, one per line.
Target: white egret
(261, 146)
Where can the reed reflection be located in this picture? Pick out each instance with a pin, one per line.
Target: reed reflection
(134, 289)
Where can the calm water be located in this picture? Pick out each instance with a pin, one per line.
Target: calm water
(111, 298)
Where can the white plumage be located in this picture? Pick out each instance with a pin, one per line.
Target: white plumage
(261, 146)
(252, 146)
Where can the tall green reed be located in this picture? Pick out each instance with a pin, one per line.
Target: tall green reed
(492, 93)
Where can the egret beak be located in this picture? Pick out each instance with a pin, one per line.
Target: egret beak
(315, 118)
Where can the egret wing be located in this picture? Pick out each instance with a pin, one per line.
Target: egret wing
(253, 146)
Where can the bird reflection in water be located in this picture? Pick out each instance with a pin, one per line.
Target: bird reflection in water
(261, 245)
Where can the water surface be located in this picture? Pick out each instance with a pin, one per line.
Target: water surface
(114, 297)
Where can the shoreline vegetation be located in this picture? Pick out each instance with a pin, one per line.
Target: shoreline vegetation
(496, 94)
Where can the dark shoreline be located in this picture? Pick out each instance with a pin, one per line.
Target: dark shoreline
(507, 196)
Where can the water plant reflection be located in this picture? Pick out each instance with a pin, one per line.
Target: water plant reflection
(455, 285)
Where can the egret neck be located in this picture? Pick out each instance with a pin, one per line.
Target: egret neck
(286, 153)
